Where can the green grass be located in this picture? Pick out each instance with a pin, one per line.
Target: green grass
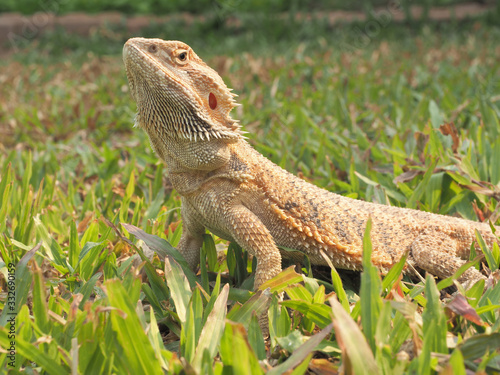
(83, 199)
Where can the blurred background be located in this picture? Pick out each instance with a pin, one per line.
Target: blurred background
(57, 26)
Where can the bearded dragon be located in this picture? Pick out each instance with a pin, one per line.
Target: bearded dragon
(236, 193)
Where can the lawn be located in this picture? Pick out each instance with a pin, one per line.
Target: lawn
(407, 116)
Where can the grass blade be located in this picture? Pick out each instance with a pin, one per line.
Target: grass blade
(139, 355)
(32, 353)
(302, 352)
(212, 330)
(370, 300)
(257, 304)
(23, 283)
(179, 287)
(236, 353)
(356, 353)
(282, 280)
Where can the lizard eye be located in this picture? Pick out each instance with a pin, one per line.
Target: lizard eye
(153, 48)
(182, 56)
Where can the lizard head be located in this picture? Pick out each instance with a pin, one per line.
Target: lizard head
(177, 94)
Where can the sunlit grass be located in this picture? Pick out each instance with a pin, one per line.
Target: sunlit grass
(366, 123)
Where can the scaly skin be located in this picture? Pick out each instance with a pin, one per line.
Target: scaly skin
(236, 193)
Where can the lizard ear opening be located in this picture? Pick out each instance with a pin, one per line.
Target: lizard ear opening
(212, 101)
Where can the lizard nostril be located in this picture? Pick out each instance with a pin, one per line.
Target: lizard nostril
(153, 48)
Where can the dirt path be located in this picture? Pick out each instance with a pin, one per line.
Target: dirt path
(15, 27)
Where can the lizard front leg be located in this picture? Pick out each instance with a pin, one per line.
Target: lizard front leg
(252, 235)
(241, 225)
(192, 236)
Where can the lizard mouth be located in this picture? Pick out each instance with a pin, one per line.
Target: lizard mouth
(127, 57)
(138, 64)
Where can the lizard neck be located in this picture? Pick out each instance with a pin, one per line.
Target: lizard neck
(190, 165)
(183, 155)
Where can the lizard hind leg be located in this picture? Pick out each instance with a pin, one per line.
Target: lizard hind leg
(439, 254)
